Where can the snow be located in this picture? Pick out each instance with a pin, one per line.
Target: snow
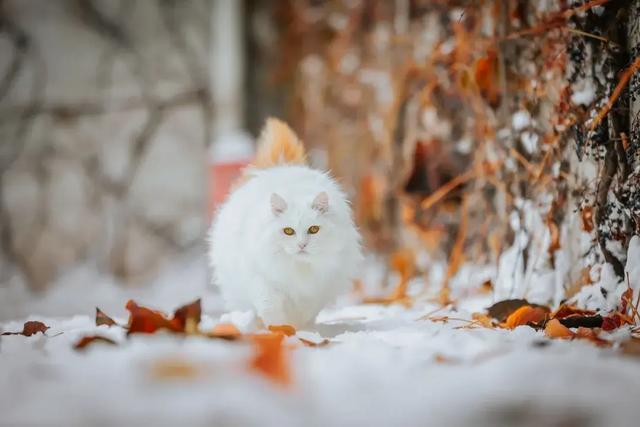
(79, 291)
(529, 141)
(520, 120)
(384, 365)
(584, 96)
(606, 291)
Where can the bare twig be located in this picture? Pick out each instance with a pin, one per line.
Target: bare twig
(441, 192)
(624, 80)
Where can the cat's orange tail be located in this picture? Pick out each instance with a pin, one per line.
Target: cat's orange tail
(279, 145)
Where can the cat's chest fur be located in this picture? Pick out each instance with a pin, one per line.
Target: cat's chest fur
(293, 277)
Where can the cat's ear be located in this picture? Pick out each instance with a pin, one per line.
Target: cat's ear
(278, 205)
(321, 202)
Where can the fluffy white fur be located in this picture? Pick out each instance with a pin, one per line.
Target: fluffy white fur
(284, 279)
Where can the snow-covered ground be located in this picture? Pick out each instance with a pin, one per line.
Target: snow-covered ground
(383, 366)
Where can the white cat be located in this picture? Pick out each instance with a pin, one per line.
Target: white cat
(284, 244)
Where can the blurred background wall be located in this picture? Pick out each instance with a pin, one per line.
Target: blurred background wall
(105, 118)
(460, 129)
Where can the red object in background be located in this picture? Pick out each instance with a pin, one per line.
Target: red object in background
(221, 176)
(230, 153)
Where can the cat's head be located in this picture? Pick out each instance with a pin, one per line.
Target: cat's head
(302, 228)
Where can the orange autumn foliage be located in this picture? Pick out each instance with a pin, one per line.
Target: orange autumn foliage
(271, 358)
(147, 321)
(287, 330)
(555, 329)
(525, 315)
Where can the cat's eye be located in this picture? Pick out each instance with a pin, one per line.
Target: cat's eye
(313, 229)
(289, 231)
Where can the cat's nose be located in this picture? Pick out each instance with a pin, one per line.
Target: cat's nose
(302, 245)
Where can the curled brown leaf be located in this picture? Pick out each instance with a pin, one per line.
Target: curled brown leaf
(30, 328)
(103, 319)
(85, 341)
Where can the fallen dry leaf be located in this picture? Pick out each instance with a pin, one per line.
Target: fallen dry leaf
(442, 359)
(288, 330)
(103, 319)
(614, 321)
(526, 315)
(270, 357)
(570, 310)
(187, 318)
(85, 341)
(309, 343)
(631, 347)
(555, 329)
(29, 328)
(225, 331)
(483, 320)
(503, 309)
(146, 321)
(173, 368)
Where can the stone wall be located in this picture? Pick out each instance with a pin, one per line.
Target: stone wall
(104, 122)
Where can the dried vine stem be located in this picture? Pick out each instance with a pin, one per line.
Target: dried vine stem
(555, 21)
(624, 80)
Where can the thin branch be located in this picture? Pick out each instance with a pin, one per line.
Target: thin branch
(441, 192)
(624, 80)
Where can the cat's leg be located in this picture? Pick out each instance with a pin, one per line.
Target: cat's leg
(270, 306)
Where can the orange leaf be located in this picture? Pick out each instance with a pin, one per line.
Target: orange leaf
(525, 315)
(146, 321)
(570, 310)
(483, 320)
(85, 341)
(288, 330)
(270, 357)
(29, 328)
(103, 319)
(503, 309)
(310, 343)
(614, 321)
(225, 331)
(555, 329)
